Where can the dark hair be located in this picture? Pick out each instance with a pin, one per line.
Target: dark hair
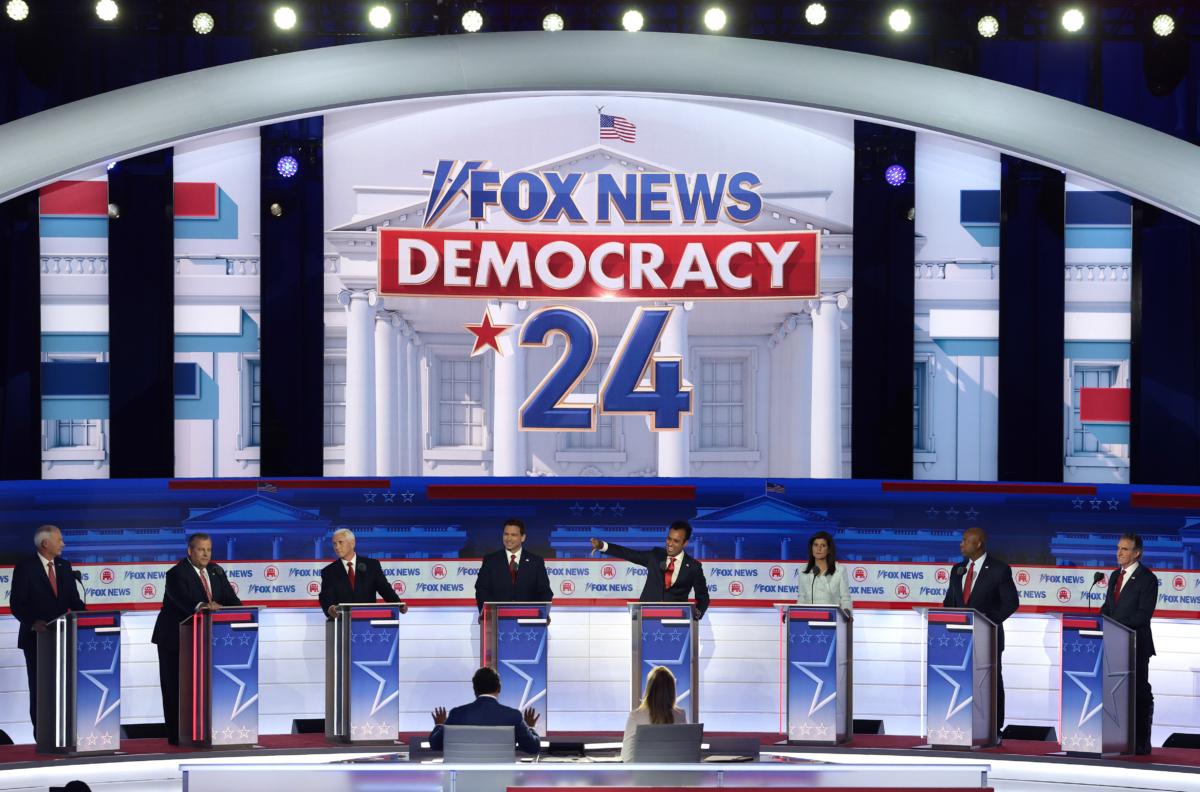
(514, 521)
(1137, 540)
(197, 537)
(680, 525)
(660, 695)
(486, 680)
(830, 559)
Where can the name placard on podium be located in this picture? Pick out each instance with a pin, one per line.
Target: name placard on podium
(362, 674)
(514, 640)
(79, 684)
(1096, 708)
(218, 678)
(960, 681)
(816, 645)
(666, 634)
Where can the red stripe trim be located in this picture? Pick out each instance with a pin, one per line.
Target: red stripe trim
(75, 198)
(1163, 500)
(1081, 624)
(1104, 405)
(665, 613)
(381, 613)
(947, 618)
(633, 492)
(253, 484)
(232, 617)
(979, 486)
(96, 621)
(196, 200)
(518, 613)
(810, 615)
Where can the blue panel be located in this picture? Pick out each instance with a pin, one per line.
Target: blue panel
(77, 227)
(1097, 350)
(985, 347)
(187, 381)
(203, 407)
(1109, 434)
(245, 341)
(74, 409)
(985, 234)
(1098, 208)
(979, 206)
(75, 342)
(223, 226)
(75, 379)
(1120, 238)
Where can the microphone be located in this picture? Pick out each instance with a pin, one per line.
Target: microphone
(359, 568)
(75, 573)
(1096, 578)
(812, 591)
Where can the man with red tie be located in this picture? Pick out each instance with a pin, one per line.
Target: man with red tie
(670, 572)
(512, 574)
(1131, 598)
(43, 588)
(984, 583)
(353, 579)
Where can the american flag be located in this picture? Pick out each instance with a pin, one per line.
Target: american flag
(617, 128)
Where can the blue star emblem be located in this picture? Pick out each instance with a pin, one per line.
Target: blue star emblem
(368, 665)
(803, 666)
(228, 669)
(91, 675)
(1076, 677)
(513, 665)
(955, 706)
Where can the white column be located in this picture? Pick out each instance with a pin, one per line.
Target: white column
(508, 442)
(799, 348)
(415, 401)
(404, 436)
(360, 380)
(674, 446)
(826, 460)
(387, 389)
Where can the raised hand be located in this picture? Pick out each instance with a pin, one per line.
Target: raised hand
(597, 544)
(439, 716)
(531, 717)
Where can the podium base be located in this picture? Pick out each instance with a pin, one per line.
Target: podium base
(825, 743)
(1089, 754)
(933, 747)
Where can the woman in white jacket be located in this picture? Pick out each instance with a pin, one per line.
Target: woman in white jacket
(821, 582)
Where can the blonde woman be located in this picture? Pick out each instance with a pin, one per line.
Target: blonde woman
(658, 706)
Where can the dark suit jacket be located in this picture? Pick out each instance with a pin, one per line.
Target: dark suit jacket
(32, 599)
(183, 593)
(486, 711)
(369, 581)
(690, 577)
(1139, 596)
(494, 581)
(992, 592)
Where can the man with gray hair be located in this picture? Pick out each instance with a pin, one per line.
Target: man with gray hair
(43, 588)
(353, 579)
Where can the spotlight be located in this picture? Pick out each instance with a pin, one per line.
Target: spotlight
(17, 10)
(1072, 20)
(900, 20)
(552, 23)
(276, 210)
(714, 19)
(111, 166)
(988, 26)
(379, 17)
(815, 14)
(285, 18)
(895, 175)
(287, 166)
(202, 23)
(107, 10)
(632, 21)
(1163, 24)
(472, 21)
(114, 211)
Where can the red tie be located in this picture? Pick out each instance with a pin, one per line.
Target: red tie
(512, 567)
(204, 582)
(350, 574)
(967, 584)
(668, 574)
(53, 579)
(1117, 590)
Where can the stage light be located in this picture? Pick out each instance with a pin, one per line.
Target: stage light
(895, 175)
(472, 21)
(715, 19)
(632, 21)
(900, 20)
(379, 17)
(1163, 24)
(1072, 20)
(114, 211)
(988, 26)
(552, 23)
(287, 166)
(107, 10)
(285, 18)
(276, 210)
(815, 14)
(17, 10)
(111, 166)
(203, 23)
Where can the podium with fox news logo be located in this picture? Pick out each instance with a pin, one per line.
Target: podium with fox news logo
(960, 679)
(1096, 709)
(513, 639)
(362, 674)
(816, 644)
(79, 684)
(667, 634)
(218, 678)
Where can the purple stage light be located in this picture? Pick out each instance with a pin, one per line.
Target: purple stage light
(287, 166)
(895, 175)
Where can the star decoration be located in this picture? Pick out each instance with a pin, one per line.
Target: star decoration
(1085, 714)
(1077, 503)
(577, 509)
(597, 509)
(1113, 503)
(367, 666)
(487, 335)
(1095, 502)
(617, 509)
(932, 513)
(408, 496)
(952, 513)
(369, 497)
(389, 497)
(954, 706)
(972, 513)
(91, 675)
(228, 669)
(817, 702)
(514, 666)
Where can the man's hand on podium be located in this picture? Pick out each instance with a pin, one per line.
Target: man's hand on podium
(332, 611)
(531, 717)
(213, 605)
(38, 626)
(439, 716)
(404, 607)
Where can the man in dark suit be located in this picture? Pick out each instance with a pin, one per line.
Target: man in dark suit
(670, 572)
(195, 582)
(43, 588)
(353, 579)
(984, 583)
(513, 574)
(486, 710)
(1131, 598)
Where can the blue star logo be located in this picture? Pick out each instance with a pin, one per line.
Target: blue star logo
(955, 706)
(817, 702)
(535, 661)
(91, 675)
(367, 665)
(1086, 714)
(229, 669)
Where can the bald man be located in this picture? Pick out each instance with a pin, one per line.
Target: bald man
(984, 583)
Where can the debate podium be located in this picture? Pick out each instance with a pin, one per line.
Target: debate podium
(667, 634)
(218, 678)
(362, 674)
(960, 679)
(79, 684)
(513, 640)
(1096, 707)
(816, 643)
